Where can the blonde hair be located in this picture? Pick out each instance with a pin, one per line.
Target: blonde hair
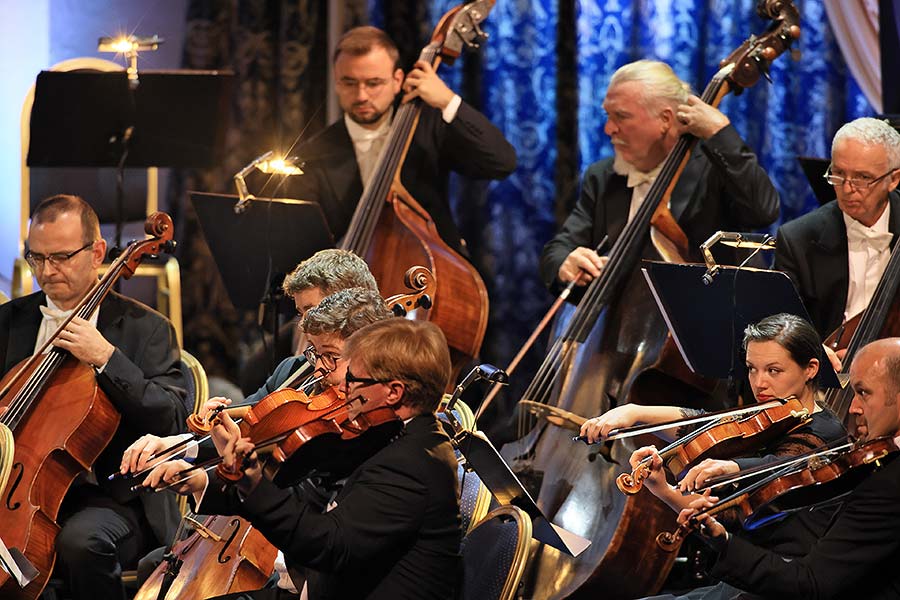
(660, 84)
(414, 352)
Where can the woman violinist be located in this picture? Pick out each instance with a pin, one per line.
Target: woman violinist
(393, 529)
(782, 360)
(857, 555)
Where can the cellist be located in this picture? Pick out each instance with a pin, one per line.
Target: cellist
(393, 531)
(723, 186)
(857, 556)
(451, 136)
(135, 356)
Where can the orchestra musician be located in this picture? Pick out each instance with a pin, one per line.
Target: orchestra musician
(135, 356)
(393, 531)
(326, 325)
(648, 108)
(857, 556)
(837, 253)
(451, 135)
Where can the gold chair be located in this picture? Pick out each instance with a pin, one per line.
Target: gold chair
(494, 554)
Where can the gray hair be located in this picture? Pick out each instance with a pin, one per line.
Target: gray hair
(660, 83)
(330, 271)
(346, 311)
(872, 132)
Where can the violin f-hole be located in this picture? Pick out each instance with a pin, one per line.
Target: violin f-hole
(236, 523)
(14, 486)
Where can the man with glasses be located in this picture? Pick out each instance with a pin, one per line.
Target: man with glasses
(135, 356)
(393, 531)
(837, 253)
(451, 135)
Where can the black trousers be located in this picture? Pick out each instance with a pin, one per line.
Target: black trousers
(98, 537)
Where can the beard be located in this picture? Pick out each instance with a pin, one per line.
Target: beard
(375, 117)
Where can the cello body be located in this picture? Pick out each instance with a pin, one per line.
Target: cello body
(61, 437)
(239, 559)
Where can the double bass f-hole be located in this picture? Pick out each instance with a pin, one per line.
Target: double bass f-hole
(20, 468)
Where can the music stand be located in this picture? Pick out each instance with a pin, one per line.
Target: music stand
(708, 321)
(814, 169)
(284, 230)
(94, 119)
(483, 458)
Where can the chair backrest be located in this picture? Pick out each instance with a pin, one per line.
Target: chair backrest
(474, 497)
(198, 385)
(494, 554)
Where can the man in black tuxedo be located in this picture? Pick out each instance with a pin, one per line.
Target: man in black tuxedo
(858, 555)
(722, 186)
(134, 353)
(837, 253)
(451, 135)
(393, 531)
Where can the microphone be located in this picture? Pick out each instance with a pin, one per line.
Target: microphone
(482, 371)
(492, 373)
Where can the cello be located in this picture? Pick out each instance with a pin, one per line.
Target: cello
(625, 357)
(61, 422)
(405, 233)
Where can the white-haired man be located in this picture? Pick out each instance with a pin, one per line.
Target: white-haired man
(837, 254)
(648, 109)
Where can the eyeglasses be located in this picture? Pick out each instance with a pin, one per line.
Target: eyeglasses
(364, 381)
(36, 260)
(370, 85)
(857, 184)
(329, 359)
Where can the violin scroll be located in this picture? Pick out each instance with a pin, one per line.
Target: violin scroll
(670, 541)
(159, 227)
(753, 57)
(631, 483)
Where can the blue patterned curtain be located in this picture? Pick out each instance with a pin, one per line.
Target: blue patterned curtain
(541, 78)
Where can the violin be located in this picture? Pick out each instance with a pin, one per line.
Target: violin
(816, 477)
(722, 438)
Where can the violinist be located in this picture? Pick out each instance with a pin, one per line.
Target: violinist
(323, 274)
(135, 356)
(782, 354)
(393, 530)
(326, 325)
(837, 254)
(320, 275)
(451, 135)
(858, 555)
(648, 108)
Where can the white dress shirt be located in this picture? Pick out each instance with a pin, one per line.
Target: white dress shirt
(868, 253)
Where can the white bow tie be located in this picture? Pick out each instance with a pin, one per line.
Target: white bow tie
(857, 233)
(635, 176)
(54, 314)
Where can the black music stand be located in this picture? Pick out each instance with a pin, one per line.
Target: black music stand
(814, 169)
(284, 231)
(173, 119)
(483, 458)
(708, 321)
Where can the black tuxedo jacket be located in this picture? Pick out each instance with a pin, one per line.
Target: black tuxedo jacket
(856, 558)
(812, 250)
(469, 145)
(142, 379)
(394, 534)
(722, 187)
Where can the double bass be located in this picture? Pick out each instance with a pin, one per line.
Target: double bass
(390, 228)
(625, 356)
(61, 421)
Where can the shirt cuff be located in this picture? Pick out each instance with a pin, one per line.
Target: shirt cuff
(449, 112)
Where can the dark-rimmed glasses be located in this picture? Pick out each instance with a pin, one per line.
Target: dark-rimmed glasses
(363, 381)
(36, 260)
(329, 359)
(857, 184)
